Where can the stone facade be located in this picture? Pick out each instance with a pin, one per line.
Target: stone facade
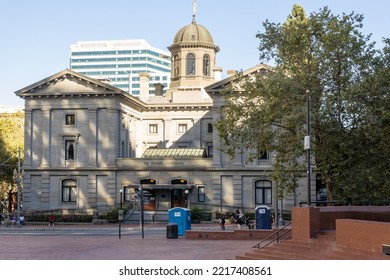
(85, 140)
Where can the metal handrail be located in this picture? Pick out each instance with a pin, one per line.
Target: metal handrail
(275, 236)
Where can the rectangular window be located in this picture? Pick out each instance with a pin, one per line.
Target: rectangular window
(126, 194)
(182, 146)
(209, 151)
(262, 155)
(70, 119)
(182, 128)
(209, 128)
(263, 196)
(69, 194)
(263, 192)
(201, 194)
(153, 128)
(69, 190)
(69, 149)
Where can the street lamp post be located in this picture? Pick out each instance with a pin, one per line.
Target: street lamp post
(186, 192)
(121, 197)
(281, 220)
(307, 148)
(141, 195)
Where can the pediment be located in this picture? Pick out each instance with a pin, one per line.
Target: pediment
(68, 82)
(217, 87)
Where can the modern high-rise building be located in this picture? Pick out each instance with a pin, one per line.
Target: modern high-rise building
(120, 63)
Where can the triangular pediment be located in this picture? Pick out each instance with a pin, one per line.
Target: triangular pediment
(217, 87)
(68, 82)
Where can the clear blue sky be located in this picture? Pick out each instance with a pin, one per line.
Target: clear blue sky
(36, 35)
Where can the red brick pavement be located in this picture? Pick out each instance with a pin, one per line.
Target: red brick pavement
(68, 246)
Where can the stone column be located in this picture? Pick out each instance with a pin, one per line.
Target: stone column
(92, 137)
(46, 137)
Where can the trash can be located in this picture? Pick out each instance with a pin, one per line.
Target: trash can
(182, 217)
(263, 217)
(172, 231)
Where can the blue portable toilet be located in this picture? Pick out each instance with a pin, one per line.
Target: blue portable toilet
(182, 217)
(263, 217)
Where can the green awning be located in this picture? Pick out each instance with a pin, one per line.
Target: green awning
(174, 153)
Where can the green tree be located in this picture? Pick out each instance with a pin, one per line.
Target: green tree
(327, 57)
(11, 139)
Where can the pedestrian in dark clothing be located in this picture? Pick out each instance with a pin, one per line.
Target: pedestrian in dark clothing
(222, 222)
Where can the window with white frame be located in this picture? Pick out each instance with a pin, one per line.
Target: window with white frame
(153, 128)
(201, 194)
(70, 149)
(70, 119)
(182, 128)
(263, 192)
(127, 194)
(69, 190)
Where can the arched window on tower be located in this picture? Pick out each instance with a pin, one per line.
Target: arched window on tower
(206, 65)
(176, 67)
(190, 59)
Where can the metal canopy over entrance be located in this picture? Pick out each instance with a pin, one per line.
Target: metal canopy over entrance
(174, 153)
(161, 186)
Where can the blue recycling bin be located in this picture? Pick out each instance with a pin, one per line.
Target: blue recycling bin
(263, 217)
(181, 217)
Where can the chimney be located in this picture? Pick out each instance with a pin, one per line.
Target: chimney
(217, 73)
(231, 72)
(158, 89)
(144, 86)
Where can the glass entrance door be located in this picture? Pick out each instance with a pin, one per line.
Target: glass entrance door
(178, 198)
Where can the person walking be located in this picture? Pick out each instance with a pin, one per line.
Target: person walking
(21, 219)
(222, 222)
(239, 216)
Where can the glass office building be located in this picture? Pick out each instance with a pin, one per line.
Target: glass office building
(119, 62)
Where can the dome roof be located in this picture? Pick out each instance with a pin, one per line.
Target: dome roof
(193, 34)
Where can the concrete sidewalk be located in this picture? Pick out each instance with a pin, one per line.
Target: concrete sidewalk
(30, 244)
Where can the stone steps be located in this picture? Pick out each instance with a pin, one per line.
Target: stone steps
(322, 248)
(149, 217)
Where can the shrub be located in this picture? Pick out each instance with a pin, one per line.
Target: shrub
(196, 214)
(66, 218)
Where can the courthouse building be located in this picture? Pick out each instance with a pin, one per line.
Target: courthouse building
(89, 145)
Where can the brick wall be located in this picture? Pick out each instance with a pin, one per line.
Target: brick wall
(237, 234)
(305, 223)
(364, 235)
(330, 214)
